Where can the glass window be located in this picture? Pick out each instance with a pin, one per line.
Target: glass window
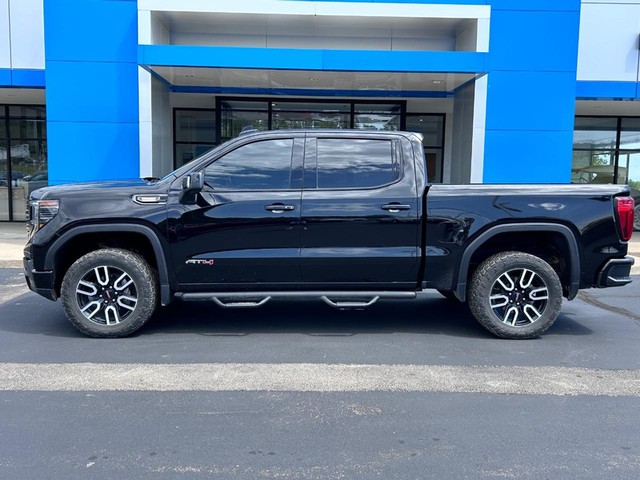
(377, 108)
(244, 105)
(593, 166)
(311, 107)
(196, 126)
(351, 163)
(630, 134)
(595, 133)
(433, 158)
(25, 128)
(185, 152)
(30, 111)
(24, 153)
(430, 126)
(262, 165)
(377, 117)
(4, 182)
(284, 120)
(629, 171)
(234, 121)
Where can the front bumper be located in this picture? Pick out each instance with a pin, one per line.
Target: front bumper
(39, 282)
(615, 273)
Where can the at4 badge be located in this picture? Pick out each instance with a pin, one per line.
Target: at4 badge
(194, 261)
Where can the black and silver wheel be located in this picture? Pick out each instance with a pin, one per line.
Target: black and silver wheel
(636, 218)
(109, 293)
(515, 295)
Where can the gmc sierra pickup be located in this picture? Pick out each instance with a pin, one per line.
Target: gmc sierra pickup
(343, 216)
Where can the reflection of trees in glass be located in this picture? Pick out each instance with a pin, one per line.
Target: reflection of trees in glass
(600, 159)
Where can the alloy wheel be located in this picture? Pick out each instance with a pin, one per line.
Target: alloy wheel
(519, 297)
(106, 295)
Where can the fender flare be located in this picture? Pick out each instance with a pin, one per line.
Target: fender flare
(566, 232)
(163, 271)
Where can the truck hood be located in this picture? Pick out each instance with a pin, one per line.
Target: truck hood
(53, 191)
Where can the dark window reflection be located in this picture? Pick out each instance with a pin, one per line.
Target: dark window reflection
(349, 163)
(257, 166)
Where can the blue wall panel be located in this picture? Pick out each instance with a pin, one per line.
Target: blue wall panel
(298, 59)
(87, 151)
(531, 96)
(606, 90)
(5, 77)
(545, 41)
(531, 100)
(92, 89)
(91, 30)
(21, 78)
(536, 5)
(514, 156)
(93, 92)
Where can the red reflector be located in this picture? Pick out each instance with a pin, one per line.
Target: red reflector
(624, 206)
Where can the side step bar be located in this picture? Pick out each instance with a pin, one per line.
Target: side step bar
(257, 299)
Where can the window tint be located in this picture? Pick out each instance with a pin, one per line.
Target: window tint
(351, 163)
(257, 166)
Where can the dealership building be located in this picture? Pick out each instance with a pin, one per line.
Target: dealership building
(503, 91)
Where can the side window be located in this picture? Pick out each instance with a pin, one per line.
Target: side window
(356, 163)
(262, 165)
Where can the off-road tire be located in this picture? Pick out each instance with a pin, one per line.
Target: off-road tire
(145, 285)
(485, 281)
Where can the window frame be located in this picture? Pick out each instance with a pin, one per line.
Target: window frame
(292, 163)
(311, 152)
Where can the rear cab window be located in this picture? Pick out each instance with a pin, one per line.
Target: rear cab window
(351, 163)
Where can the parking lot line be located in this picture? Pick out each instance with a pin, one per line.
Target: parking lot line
(307, 377)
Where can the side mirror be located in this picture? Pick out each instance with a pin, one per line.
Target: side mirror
(192, 184)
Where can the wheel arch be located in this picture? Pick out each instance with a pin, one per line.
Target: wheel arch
(147, 232)
(565, 232)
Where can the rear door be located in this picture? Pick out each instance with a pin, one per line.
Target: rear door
(359, 212)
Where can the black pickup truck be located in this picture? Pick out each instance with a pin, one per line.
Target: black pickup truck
(343, 216)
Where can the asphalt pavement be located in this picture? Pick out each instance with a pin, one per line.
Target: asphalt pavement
(403, 390)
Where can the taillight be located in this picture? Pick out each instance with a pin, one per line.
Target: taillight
(624, 207)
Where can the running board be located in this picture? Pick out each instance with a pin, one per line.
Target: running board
(257, 299)
(241, 304)
(352, 303)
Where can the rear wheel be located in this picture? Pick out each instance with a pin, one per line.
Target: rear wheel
(109, 293)
(636, 218)
(515, 295)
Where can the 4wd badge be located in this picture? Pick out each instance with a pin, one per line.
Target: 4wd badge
(193, 261)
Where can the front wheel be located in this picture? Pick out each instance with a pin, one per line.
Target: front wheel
(109, 292)
(515, 295)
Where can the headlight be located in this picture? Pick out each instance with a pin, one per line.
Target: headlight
(41, 213)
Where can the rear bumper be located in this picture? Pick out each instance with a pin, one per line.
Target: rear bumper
(40, 282)
(615, 273)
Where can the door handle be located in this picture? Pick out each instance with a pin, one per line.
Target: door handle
(279, 208)
(395, 207)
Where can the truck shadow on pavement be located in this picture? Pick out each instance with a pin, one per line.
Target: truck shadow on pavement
(429, 315)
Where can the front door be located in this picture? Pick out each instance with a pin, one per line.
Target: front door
(245, 227)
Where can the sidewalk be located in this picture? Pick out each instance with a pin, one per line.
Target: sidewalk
(13, 237)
